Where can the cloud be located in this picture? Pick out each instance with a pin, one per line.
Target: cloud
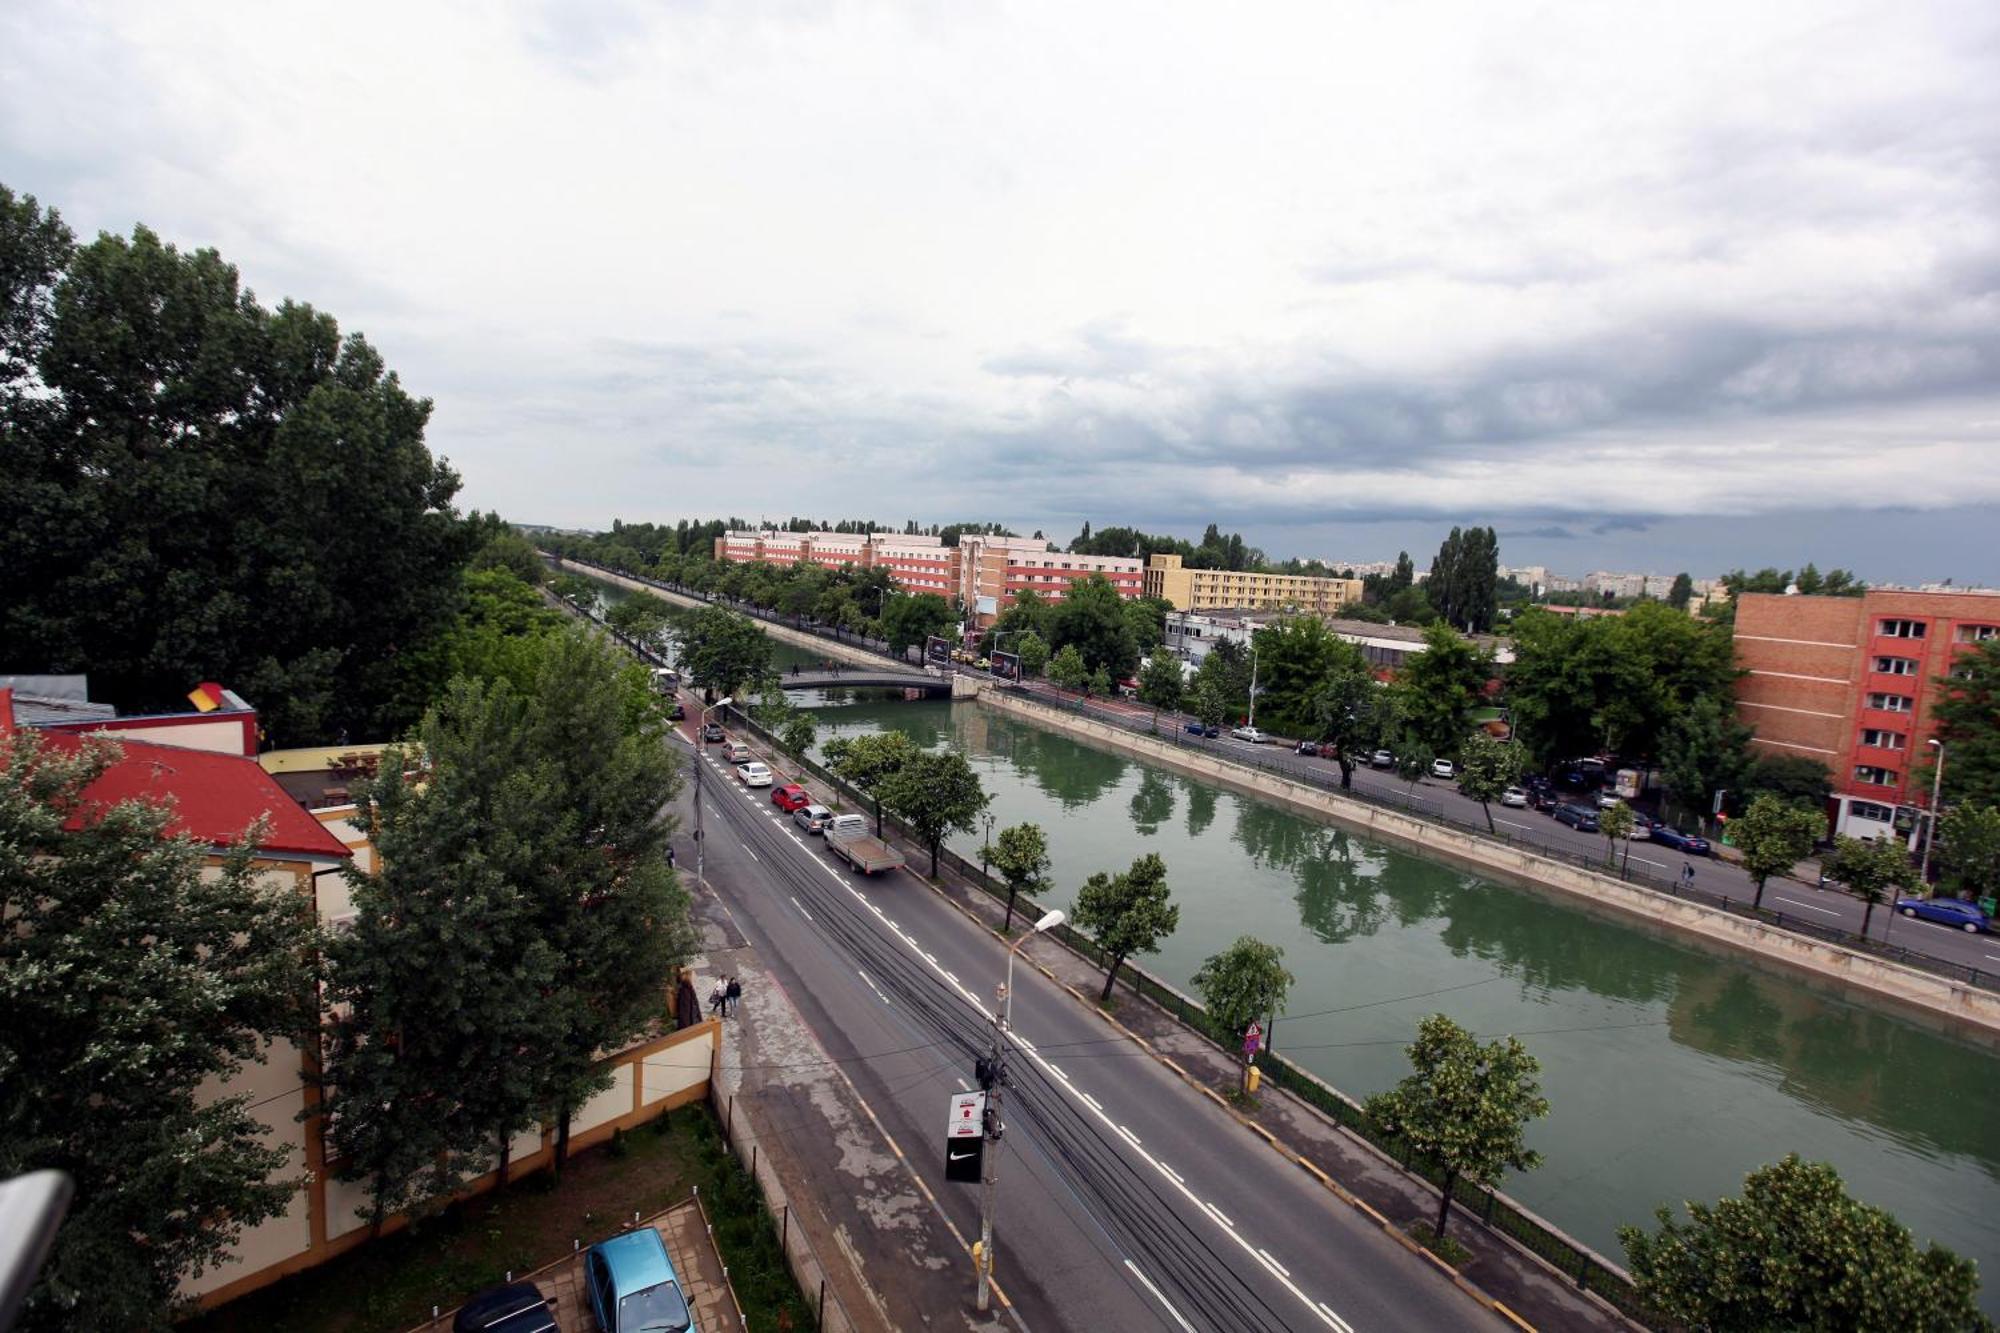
(1624, 523)
(1552, 532)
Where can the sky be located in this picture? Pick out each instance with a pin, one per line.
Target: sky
(1642, 286)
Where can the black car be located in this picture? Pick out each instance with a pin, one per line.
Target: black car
(518, 1307)
(1579, 817)
(676, 713)
(711, 731)
(1310, 748)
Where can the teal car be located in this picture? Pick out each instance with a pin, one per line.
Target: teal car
(633, 1287)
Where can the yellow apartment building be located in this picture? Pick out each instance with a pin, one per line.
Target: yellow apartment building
(1203, 589)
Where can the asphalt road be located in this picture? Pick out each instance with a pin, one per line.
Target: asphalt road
(1127, 1199)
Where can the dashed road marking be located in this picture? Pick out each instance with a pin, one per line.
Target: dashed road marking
(1823, 911)
(1164, 1302)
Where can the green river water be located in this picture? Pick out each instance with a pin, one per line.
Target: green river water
(1671, 1071)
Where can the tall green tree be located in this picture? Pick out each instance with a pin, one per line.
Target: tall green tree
(1439, 688)
(1871, 870)
(1068, 669)
(640, 616)
(1464, 1106)
(1774, 837)
(1796, 1251)
(1487, 767)
(1704, 750)
(1295, 658)
(1968, 850)
(1146, 617)
(1681, 593)
(868, 762)
(131, 982)
(1616, 824)
(201, 488)
(1967, 715)
(722, 651)
(1034, 652)
(1091, 618)
(935, 793)
(1464, 579)
(1127, 913)
(1162, 684)
(910, 618)
(1227, 669)
(1794, 779)
(1206, 702)
(1349, 711)
(1021, 855)
(1245, 982)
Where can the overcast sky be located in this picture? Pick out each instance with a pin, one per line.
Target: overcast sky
(1642, 285)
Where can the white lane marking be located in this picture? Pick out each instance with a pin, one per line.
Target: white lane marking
(871, 985)
(1823, 911)
(802, 909)
(1164, 1302)
(1130, 1137)
(1222, 1217)
(1274, 1263)
(1994, 956)
(1324, 1312)
(753, 856)
(1057, 1070)
(1172, 1174)
(963, 1086)
(1647, 861)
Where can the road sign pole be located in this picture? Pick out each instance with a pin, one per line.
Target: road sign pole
(989, 1182)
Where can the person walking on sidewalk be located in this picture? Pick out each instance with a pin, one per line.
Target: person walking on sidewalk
(718, 997)
(731, 995)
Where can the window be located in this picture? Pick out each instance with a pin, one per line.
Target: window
(1896, 666)
(1977, 633)
(1891, 703)
(1900, 629)
(1870, 773)
(1881, 814)
(1880, 739)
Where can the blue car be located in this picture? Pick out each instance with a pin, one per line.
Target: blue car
(632, 1285)
(1946, 912)
(1679, 841)
(1200, 729)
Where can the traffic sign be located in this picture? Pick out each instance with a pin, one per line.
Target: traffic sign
(1253, 1039)
(965, 1137)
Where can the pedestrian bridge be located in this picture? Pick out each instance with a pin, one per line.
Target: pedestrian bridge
(866, 678)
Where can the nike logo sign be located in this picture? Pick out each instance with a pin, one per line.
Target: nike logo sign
(958, 1156)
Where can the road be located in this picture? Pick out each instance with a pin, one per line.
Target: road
(1127, 1199)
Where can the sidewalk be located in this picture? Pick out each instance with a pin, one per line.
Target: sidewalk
(891, 1260)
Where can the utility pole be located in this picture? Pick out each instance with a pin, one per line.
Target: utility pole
(1937, 785)
(991, 1074)
(700, 763)
(1253, 685)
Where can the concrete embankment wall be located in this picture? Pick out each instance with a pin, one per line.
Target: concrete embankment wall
(782, 633)
(1975, 1011)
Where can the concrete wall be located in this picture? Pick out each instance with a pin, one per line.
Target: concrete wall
(1906, 988)
(782, 633)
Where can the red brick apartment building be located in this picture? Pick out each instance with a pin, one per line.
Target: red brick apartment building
(984, 572)
(1851, 681)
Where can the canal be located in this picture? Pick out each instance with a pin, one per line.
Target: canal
(1670, 1071)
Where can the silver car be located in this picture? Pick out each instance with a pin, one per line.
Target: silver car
(812, 818)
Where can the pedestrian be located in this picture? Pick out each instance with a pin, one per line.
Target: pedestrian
(670, 856)
(717, 998)
(732, 994)
(1687, 874)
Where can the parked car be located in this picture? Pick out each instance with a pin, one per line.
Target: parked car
(711, 732)
(1517, 797)
(1203, 729)
(517, 1307)
(1382, 759)
(1443, 768)
(1308, 748)
(676, 713)
(1668, 836)
(632, 1285)
(1642, 828)
(1947, 912)
(736, 752)
(790, 797)
(1251, 734)
(1608, 798)
(1544, 799)
(753, 774)
(812, 818)
(1579, 817)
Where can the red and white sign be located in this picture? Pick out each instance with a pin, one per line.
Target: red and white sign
(1253, 1039)
(968, 1116)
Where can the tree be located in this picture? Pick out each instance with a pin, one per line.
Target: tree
(1067, 668)
(909, 619)
(1146, 617)
(1464, 1106)
(1127, 913)
(1100, 683)
(1348, 708)
(1245, 982)
(868, 762)
(1091, 619)
(131, 981)
(1968, 850)
(1161, 684)
(1021, 855)
(799, 732)
(1703, 751)
(576, 589)
(722, 651)
(1967, 714)
(1870, 869)
(1227, 669)
(1681, 593)
(201, 488)
(639, 615)
(1773, 837)
(1794, 779)
(1488, 767)
(1207, 703)
(504, 548)
(1796, 1251)
(1464, 579)
(936, 794)
(1295, 657)
(1439, 687)
(1615, 822)
(1034, 651)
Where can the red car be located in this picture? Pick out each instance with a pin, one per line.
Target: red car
(790, 797)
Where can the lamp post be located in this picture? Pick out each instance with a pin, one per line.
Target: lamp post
(1252, 724)
(986, 848)
(1937, 783)
(701, 762)
(993, 1076)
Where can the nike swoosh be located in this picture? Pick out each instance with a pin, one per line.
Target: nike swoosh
(959, 1156)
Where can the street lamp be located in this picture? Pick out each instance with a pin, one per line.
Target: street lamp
(701, 762)
(995, 1074)
(1937, 781)
(986, 848)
